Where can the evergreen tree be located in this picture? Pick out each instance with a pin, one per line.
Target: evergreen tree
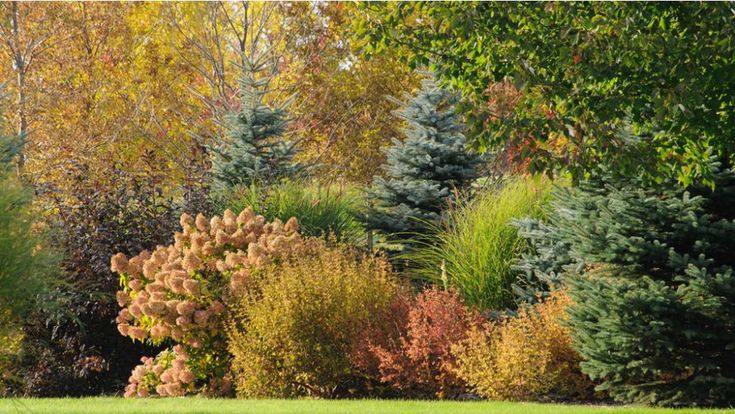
(425, 169)
(654, 317)
(254, 150)
(10, 147)
(26, 272)
(544, 268)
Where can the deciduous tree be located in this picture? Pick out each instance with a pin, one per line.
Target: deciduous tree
(581, 72)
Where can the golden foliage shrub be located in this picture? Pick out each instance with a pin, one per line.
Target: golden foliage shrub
(526, 357)
(10, 346)
(181, 293)
(292, 336)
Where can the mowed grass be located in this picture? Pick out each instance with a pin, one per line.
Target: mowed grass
(204, 406)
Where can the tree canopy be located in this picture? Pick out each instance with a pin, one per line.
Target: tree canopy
(565, 83)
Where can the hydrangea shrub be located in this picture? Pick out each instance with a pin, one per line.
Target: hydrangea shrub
(181, 293)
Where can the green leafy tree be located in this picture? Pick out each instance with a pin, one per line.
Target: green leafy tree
(254, 150)
(553, 82)
(655, 301)
(423, 171)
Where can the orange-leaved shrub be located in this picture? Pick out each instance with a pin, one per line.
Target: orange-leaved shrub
(409, 347)
(524, 357)
(292, 335)
(181, 293)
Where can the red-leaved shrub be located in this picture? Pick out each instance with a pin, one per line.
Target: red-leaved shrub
(409, 348)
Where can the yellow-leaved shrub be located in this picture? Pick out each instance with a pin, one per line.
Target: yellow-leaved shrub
(293, 334)
(10, 346)
(524, 357)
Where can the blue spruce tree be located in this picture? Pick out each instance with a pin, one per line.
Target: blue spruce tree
(425, 170)
(649, 266)
(254, 151)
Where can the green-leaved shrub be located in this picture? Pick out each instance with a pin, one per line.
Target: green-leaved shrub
(27, 270)
(474, 253)
(27, 265)
(293, 336)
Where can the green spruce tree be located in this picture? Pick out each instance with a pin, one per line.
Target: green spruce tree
(424, 171)
(654, 317)
(254, 150)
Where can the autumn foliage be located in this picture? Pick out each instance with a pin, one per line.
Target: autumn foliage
(527, 357)
(292, 337)
(181, 293)
(409, 348)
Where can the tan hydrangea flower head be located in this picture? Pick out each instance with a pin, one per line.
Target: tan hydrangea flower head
(166, 375)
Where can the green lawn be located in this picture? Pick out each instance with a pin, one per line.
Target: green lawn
(203, 406)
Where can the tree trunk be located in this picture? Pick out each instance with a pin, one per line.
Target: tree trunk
(20, 69)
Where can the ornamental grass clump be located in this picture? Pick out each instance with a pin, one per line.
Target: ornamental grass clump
(181, 293)
(475, 252)
(323, 210)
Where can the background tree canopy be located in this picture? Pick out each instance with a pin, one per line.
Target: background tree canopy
(557, 82)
